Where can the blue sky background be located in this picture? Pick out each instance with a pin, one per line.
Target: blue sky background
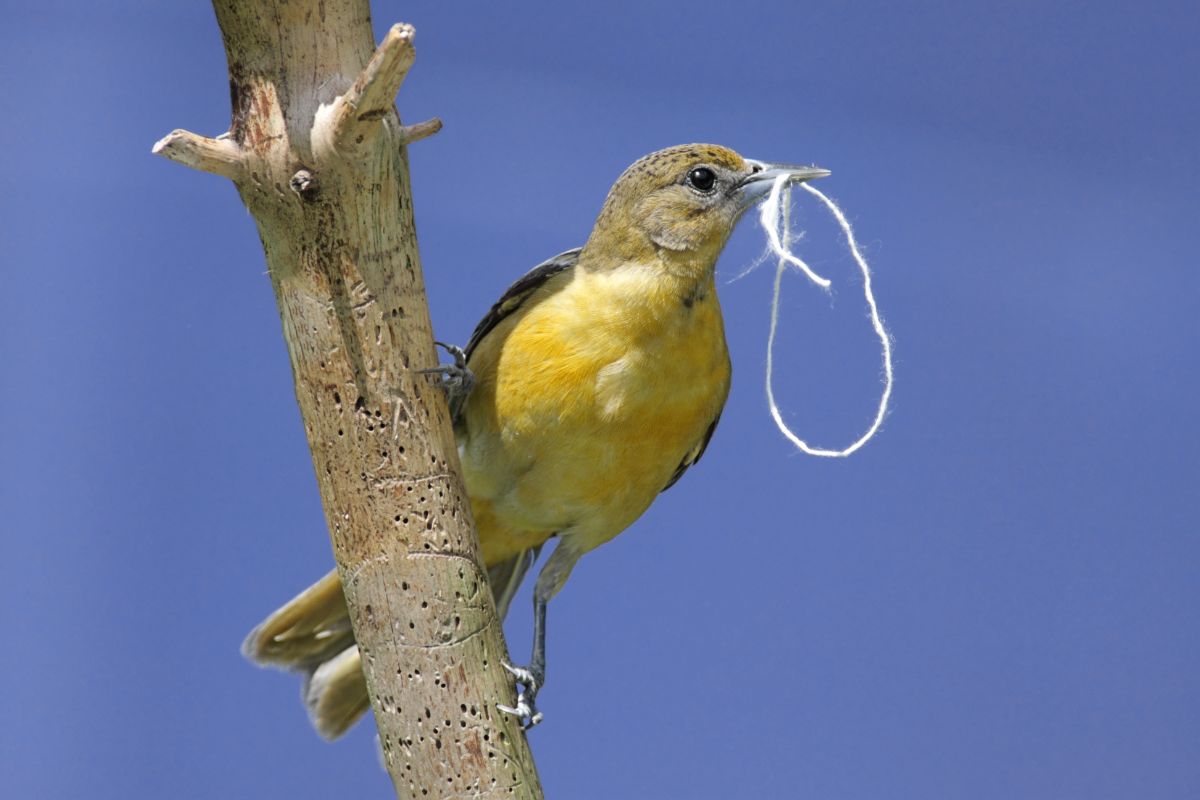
(997, 598)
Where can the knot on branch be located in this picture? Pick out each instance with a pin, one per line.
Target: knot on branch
(304, 183)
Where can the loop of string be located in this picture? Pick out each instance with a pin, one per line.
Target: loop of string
(774, 217)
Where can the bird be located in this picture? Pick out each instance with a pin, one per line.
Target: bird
(590, 387)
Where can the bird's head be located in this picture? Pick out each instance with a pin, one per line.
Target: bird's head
(679, 205)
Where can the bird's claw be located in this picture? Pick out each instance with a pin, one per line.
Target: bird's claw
(457, 378)
(526, 714)
(528, 682)
(454, 376)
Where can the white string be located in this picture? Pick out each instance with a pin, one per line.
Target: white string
(776, 210)
(775, 220)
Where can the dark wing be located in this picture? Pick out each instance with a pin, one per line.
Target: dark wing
(505, 578)
(694, 454)
(519, 292)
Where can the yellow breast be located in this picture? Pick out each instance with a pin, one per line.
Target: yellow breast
(586, 402)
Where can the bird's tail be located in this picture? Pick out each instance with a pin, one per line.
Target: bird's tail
(311, 634)
(335, 694)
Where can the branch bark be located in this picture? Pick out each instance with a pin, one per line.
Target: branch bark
(317, 153)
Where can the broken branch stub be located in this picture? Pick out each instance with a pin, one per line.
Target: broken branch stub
(355, 116)
(220, 156)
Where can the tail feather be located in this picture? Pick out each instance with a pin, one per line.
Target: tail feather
(312, 634)
(336, 694)
(311, 628)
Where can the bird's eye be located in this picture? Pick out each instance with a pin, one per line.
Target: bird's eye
(702, 179)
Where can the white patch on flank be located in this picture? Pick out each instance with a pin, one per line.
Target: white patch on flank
(612, 385)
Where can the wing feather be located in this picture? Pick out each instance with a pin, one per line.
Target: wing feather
(519, 292)
(694, 454)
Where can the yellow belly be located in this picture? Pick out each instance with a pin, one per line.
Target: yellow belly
(585, 403)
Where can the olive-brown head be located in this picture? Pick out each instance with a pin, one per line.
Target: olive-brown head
(679, 205)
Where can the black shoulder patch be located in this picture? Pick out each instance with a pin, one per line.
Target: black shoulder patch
(519, 292)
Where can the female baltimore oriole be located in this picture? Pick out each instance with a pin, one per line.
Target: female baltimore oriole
(598, 379)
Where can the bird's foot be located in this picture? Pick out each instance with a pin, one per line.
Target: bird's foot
(457, 378)
(528, 682)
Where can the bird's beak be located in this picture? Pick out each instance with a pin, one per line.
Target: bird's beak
(757, 184)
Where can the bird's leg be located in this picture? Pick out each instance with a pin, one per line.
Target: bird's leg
(457, 378)
(531, 678)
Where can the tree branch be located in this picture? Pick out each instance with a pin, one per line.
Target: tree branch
(352, 117)
(419, 130)
(220, 156)
(318, 155)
